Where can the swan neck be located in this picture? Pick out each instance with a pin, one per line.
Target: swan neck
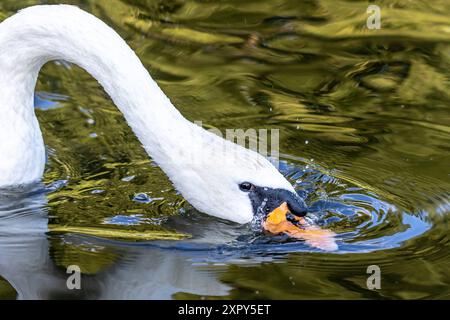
(41, 34)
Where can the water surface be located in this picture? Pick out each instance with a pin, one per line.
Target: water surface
(364, 137)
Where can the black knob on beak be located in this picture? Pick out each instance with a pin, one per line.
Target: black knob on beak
(296, 204)
(269, 199)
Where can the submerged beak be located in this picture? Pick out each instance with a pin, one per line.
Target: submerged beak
(282, 221)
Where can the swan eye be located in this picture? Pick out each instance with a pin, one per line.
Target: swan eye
(246, 186)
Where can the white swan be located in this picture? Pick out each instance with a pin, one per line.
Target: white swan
(230, 182)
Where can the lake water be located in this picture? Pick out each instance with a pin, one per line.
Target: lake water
(364, 137)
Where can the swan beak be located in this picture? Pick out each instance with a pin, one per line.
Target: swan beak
(282, 221)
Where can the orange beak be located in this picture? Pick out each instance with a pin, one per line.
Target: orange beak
(277, 223)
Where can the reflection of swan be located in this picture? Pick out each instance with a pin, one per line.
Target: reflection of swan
(217, 177)
(138, 272)
(24, 259)
(156, 274)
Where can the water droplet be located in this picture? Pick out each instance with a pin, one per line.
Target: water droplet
(145, 198)
(142, 198)
(124, 220)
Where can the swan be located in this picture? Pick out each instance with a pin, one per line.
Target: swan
(230, 182)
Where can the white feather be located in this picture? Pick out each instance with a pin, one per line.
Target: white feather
(205, 168)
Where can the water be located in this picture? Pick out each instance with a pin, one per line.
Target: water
(364, 137)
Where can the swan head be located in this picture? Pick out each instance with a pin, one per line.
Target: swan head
(234, 183)
(216, 176)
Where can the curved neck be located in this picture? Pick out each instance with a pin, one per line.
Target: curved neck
(40, 34)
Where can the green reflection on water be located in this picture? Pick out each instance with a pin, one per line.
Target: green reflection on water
(7, 292)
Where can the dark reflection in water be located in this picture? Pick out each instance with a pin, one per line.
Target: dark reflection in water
(364, 137)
